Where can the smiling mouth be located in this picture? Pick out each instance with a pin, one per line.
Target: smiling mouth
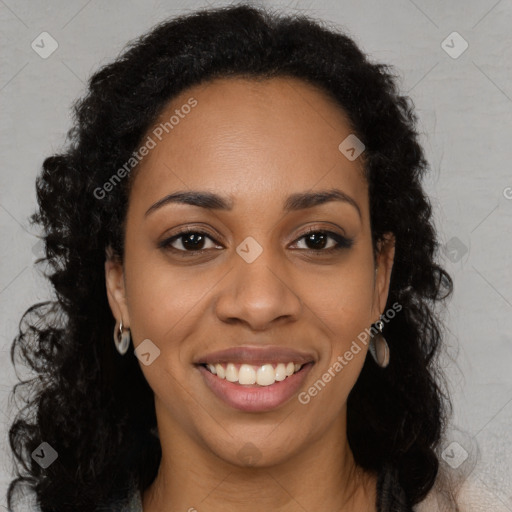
(253, 375)
(254, 398)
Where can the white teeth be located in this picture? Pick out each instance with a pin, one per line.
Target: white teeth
(221, 373)
(264, 375)
(280, 372)
(231, 373)
(246, 374)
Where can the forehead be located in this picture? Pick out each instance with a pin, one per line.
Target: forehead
(249, 138)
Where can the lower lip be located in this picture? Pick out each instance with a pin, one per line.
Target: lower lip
(255, 398)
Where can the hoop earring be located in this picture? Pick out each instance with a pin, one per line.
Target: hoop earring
(122, 339)
(378, 347)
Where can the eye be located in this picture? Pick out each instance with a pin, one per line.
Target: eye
(318, 241)
(193, 241)
(189, 240)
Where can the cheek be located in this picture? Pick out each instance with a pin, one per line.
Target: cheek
(165, 307)
(160, 297)
(342, 298)
(343, 304)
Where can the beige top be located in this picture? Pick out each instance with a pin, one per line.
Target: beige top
(473, 496)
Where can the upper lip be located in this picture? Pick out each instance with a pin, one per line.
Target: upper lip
(256, 355)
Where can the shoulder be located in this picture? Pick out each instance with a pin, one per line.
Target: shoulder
(135, 503)
(472, 496)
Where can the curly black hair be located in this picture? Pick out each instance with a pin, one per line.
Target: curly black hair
(94, 407)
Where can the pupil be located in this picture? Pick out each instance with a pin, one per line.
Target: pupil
(196, 239)
(321, 239)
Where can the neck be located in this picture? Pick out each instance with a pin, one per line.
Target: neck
(321, 476)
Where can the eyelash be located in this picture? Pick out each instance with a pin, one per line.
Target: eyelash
(341, 241)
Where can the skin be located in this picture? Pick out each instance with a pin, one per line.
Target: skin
(255, 142)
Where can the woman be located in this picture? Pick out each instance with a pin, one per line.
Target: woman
(240, 207)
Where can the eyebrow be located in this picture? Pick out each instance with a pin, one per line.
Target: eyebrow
(294, 202)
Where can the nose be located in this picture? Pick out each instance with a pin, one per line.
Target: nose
(258, 294)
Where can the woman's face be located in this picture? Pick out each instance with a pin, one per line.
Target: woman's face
(249, 276)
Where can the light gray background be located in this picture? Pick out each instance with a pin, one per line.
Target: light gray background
(465, 109)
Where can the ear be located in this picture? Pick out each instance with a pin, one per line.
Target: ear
(116, 290)
(385, 259)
